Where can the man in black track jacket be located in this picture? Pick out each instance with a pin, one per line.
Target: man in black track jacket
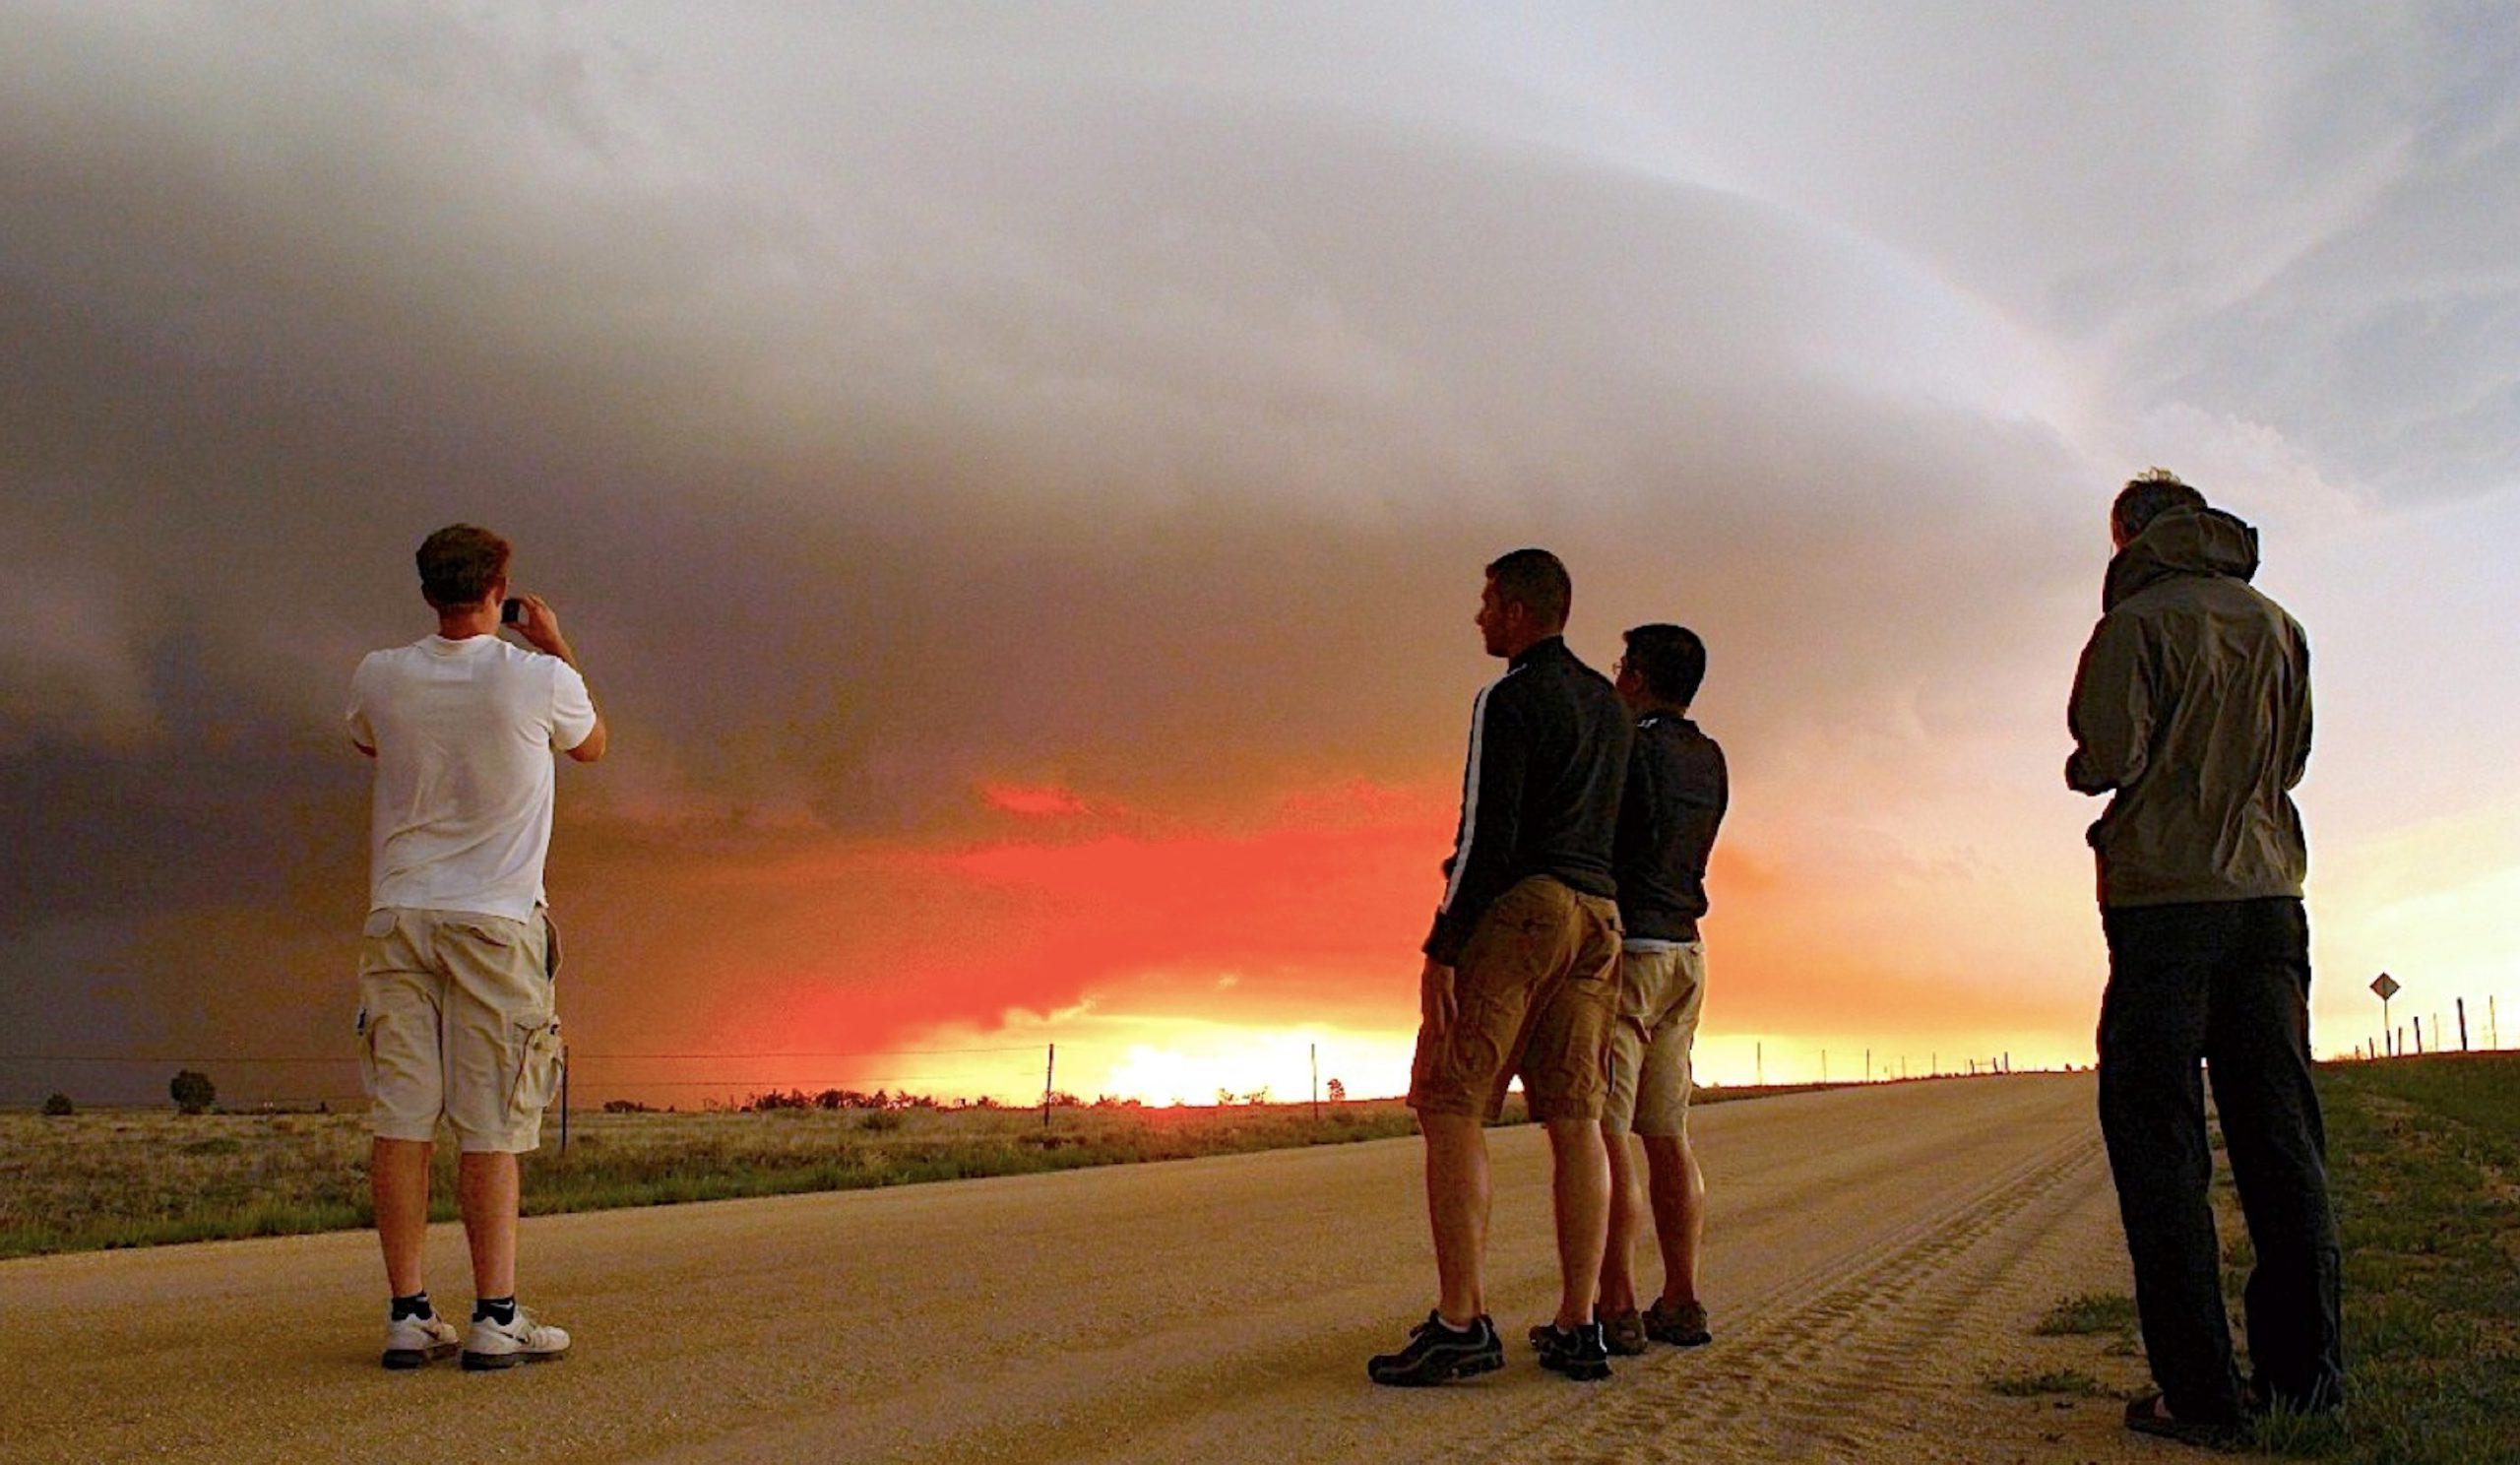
(1520, 973)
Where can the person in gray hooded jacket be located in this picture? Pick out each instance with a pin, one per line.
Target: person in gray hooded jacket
(2193, 711)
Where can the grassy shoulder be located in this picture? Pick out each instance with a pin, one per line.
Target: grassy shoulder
(2423, 1160)
(130, 1177)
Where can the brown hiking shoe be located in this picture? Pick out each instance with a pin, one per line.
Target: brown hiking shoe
(1623, 1333)
(1683, 1325)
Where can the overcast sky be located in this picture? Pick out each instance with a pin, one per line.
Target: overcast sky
(1018, 483)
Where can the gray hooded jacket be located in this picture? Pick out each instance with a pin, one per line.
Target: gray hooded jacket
(2192, 707)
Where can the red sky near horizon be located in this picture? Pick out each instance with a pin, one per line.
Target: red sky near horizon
(1027, 550)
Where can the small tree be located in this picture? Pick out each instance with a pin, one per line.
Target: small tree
(192, 1091)
(1337, 1092)
(58, 1105)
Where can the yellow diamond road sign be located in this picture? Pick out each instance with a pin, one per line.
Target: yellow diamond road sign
(2386, 984)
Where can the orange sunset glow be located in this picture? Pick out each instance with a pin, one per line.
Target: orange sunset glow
(1025, 553)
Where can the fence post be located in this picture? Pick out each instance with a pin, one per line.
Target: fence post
(1049, 1084)
(2463, 1023)
(2419, 1036)
(564, 1101)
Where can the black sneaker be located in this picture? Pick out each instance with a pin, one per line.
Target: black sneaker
(1439, 1353)
(1579, 1352)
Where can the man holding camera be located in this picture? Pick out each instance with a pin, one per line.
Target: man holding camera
(457, 958)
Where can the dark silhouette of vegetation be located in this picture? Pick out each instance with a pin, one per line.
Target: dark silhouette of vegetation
(193, 1090)
(58, 1105)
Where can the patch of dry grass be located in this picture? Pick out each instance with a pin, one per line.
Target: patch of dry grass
(105, 1178)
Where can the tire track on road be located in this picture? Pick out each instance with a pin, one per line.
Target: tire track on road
(1779, 1384)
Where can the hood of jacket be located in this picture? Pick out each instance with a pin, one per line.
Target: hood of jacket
(2182, 542)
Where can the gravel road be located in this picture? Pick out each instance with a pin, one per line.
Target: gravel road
(1877, 1254)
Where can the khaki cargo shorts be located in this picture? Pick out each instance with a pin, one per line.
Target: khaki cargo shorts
(1537, 988)
(456, 1019)
(1660, 996)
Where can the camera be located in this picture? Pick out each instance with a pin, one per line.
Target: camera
(511, 610)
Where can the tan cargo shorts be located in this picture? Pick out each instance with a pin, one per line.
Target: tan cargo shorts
(1660, 996)
(456, 1019)
(1536, 987)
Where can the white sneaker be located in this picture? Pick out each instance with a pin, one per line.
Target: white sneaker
(493, 1345)
(410, 1341)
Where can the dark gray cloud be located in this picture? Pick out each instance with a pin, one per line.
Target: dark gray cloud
(901, 401)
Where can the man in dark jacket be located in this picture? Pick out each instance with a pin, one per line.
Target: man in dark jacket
(1675, 797)
(2192, 710)
(1520, 975)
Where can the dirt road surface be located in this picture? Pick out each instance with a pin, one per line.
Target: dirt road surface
(1875, 1256)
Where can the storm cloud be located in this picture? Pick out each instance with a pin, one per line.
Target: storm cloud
(1121, 402)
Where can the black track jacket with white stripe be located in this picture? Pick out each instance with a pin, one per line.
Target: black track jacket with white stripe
(1547, 755)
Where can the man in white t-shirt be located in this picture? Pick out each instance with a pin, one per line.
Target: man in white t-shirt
(456, 963)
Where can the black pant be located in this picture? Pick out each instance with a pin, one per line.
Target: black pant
(2227, 982)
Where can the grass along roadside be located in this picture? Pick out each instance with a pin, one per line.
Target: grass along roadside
(103, 1179)
(2424, 1159)
(108, 1178)
(2425, 1162)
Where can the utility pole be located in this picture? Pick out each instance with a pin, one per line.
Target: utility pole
(2419, 1036)
(1824, 1065)
(1759, 1057)
(1316, 1083)
(564, 1100)
(1049, 1084)
(1867, 1066)
(2463, 1022)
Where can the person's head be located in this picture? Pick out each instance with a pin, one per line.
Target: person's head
(463, 567)
(1663, 668)
(1528, 595)
(2146, 497)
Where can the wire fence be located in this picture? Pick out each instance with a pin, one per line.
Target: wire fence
(1013, 1075)
(1003, 1075)
(1019, 1075)
(2414, 1038)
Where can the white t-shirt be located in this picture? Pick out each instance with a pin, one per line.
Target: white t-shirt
(463, 733)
